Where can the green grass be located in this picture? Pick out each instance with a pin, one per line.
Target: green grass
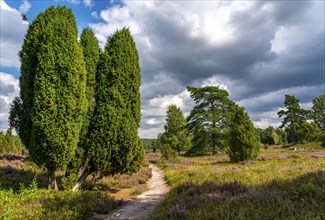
(23, 193)
(33, 203)
(281, 184)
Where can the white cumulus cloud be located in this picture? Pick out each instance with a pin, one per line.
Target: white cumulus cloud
(9, 89)
(25, 6)
(13, 30)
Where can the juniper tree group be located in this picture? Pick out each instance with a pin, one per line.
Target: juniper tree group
(113, 145)
(69, 106)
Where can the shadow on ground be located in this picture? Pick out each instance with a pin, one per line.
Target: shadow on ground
(300, 198)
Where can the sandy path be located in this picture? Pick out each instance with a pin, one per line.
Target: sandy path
(145, 203)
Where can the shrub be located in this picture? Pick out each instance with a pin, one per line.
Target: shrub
(243, 143)
(10, 143)
(168, 153)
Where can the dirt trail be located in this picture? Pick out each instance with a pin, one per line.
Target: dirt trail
(144, 204)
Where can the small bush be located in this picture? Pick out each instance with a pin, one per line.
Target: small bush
(243, 142)
(168, 153)
(266, 146)
(10, 143)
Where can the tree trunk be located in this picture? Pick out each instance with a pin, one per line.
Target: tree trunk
(214, 149)
(81, 179)
(52, 184)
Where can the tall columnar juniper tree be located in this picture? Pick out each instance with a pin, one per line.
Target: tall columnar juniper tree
(52, 105)
(113, 145)
(91, 53)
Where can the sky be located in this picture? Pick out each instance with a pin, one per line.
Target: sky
(257, 50)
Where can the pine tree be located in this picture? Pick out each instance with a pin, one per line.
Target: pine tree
(176, 134)
(294, 117)
(209, 119)
(243, 142)
(113, 145)
(318, 111)
(53, 82)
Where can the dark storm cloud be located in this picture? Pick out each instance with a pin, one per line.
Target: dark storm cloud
(260, 50)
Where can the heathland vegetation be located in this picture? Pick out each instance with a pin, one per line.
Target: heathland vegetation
(77, 149)
(271, 173)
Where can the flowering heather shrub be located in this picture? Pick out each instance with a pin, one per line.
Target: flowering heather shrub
(233, 188)
(282, 157)
(233, 168)
(264, 158)
(153, 157)
(320, 154)
(177, 209)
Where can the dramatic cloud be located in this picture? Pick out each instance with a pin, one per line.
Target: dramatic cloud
(258, 51)
(11, 36)
(9, 89)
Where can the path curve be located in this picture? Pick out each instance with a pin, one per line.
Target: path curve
(144, 204)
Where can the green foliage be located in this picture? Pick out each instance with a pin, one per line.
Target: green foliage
(34, 204)
(113, 145)
(91, 54)
(276, 138)
(23, 194)
(269, 135)
(49, 112)
(243, 142)
(168, 153)
(318, 111)
(294, 116)
(149, 144)
(322, 139)
(209, 119)
(10, 143)
(176, 135)
(265, 135)
(59, 103)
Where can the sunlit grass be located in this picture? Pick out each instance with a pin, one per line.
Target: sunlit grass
(23, 193)
(281, 184)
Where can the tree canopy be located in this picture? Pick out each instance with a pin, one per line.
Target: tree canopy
(91, 54)
(53, 83)
(295, 122)
(209, 119)
(318, 111)
(113, 145)
(243, 141)
(176, 135)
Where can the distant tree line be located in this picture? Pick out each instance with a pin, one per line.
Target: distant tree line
(217, 123)
(149, 144)
(78, 108)
(10, 143)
